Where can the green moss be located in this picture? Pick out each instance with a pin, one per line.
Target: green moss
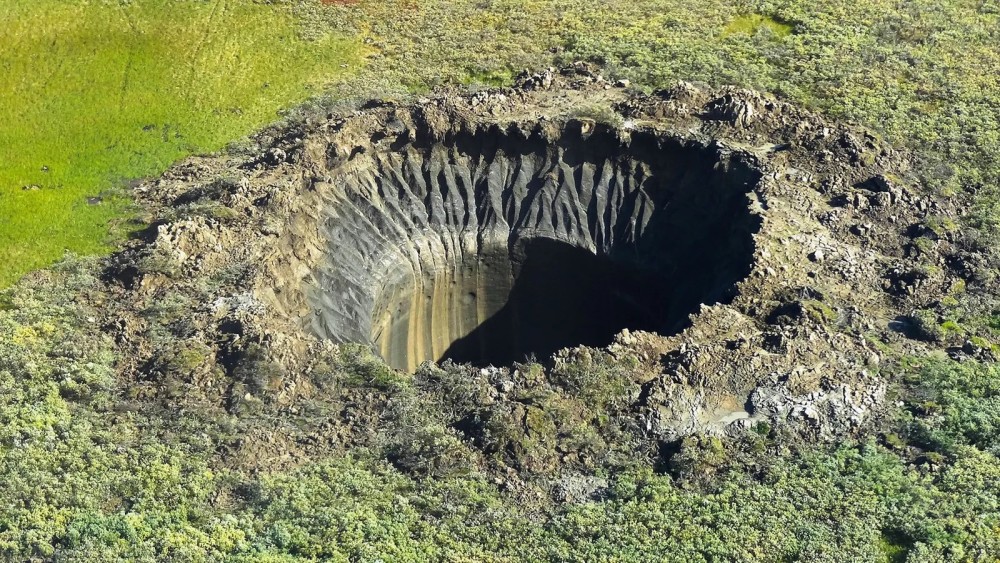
(926, 271)
(188, 359)
(819, 312)
(879, 344)
(950, 301)
(751, 24)
(951, 327)
(981, 342)
(103, 92)
(940, 225)
(894, 441)
(958, 287)
(924, 245)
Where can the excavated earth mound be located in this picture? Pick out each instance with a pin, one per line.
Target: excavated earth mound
(743, 257)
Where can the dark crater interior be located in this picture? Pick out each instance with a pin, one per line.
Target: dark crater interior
(494, 245)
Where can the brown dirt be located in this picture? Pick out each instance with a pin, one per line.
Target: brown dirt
(238, 243)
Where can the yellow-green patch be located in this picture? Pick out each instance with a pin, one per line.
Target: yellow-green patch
(94, 93)
(750, 24)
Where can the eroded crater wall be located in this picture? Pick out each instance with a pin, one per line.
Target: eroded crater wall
(488, 246)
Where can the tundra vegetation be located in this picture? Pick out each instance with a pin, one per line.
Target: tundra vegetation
(96, 94)
(107, 91)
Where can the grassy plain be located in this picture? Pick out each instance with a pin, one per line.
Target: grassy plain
(98, 93)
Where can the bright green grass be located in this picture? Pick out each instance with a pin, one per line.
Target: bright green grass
(752, 23)
(94, 93)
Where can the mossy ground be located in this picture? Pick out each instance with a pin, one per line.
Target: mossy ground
(753, 23)
(95, 94)
(89, 475)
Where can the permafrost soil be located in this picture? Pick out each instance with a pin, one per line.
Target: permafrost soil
(489, 248)
(740, 258)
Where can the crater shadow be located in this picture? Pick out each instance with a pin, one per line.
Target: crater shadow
(563, 296)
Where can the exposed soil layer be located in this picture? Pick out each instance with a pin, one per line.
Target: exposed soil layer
(489, 248)
(692, 261)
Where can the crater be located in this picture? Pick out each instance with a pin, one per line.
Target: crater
(497, 244)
